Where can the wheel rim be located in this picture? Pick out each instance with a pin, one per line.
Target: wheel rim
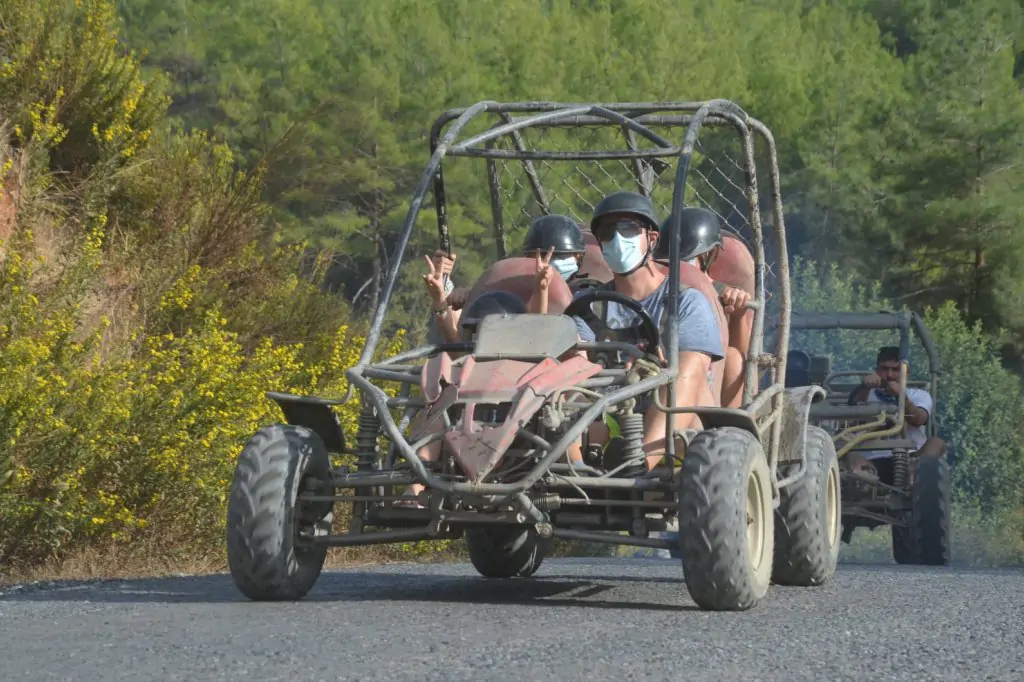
(755, 520)
(832, 495)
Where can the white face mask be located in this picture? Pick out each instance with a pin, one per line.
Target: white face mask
(623, 254)
(565, 266)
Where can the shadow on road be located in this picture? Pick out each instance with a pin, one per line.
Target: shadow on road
(364, 586)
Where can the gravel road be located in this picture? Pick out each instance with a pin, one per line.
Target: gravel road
(580, 619)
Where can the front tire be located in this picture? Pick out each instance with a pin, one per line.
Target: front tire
(725, 520)
(933, 511)
(266, 561)
(808, 518)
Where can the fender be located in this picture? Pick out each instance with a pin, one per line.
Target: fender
(313, 413)
(796, 408)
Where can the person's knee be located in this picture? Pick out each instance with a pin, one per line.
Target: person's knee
(734, 360)
(430, 452)
(933, 447)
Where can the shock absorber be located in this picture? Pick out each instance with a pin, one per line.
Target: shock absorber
(366, 449)
(631, 430)
(900, 468)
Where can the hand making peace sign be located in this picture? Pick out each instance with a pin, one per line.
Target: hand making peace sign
(544, 270)
(439, 267)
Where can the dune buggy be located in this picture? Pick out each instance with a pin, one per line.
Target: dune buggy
(912, 493)
(506, 403)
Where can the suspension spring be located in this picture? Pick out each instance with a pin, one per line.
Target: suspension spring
(631, 430)
(366, 448)
(900, 469)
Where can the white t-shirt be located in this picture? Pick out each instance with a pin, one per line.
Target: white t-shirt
(917, 434)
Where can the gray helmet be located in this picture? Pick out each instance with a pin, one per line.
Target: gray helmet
(491, 303)
(558, 231)
(700, 230)
(631, 203)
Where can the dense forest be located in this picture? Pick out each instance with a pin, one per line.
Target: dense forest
(200, 199)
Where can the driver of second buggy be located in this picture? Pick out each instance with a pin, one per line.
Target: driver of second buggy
(626, 226)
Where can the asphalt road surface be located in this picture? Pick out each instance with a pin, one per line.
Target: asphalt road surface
(580, 619)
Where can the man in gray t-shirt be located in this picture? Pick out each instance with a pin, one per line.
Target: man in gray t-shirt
(698, 327)
(628, 230)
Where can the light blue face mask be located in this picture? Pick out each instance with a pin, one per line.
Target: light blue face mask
(623, 254)
(566, 267)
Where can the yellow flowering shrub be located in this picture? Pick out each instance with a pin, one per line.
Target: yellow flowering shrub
(67, 81)
(100, 450)
(141, 328)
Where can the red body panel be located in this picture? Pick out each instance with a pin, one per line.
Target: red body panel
(479, 448)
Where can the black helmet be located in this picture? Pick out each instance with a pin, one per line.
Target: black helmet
(558, 231)
(700, 231)
(491, 303)
(625, 202)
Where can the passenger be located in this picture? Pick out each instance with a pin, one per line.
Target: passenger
(558, 234)
(883, 386)
(702, 245)
(561, 239)
(628, 230)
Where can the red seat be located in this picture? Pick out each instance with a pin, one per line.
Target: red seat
(518, 275)
(734, 265)
(594, 265)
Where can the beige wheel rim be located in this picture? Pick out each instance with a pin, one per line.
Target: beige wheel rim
(832, 497)
(755, 520)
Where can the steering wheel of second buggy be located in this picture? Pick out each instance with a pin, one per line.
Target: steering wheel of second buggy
(643, 335)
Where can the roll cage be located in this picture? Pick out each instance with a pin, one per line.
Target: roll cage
(636, 121)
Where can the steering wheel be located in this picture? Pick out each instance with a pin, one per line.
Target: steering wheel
(644, 335)
(584, 283)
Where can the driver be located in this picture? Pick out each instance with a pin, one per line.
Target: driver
(628, 230)
(702, 245)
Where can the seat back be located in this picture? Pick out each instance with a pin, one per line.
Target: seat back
(518, 275)
(734, 264)
(594, 264)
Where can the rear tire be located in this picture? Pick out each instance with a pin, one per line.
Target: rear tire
(807, 522)
(727, 560)
(266, 560)
(505, 551)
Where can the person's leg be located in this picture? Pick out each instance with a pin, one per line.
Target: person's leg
(732, 385)
(859, 464)
(428, 454)
(934, 447)
(655, 438)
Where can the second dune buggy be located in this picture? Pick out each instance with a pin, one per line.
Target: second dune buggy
(912, 494)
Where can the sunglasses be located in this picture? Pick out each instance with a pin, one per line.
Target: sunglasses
(627, 227)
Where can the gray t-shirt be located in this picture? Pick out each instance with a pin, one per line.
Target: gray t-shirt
(698, 326)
